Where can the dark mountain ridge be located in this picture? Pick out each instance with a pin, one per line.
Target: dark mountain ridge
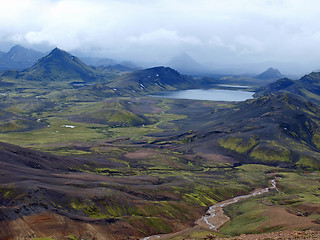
(276, 129)
(153, 80)
(307, 86)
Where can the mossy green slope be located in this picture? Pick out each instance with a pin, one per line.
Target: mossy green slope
(60, 66)
(276, 129)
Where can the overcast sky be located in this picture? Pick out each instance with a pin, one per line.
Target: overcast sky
(217, 31)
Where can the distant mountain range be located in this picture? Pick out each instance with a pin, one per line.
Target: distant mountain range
(62, 67)
(108, 62)
(19, 58)
(94, 61)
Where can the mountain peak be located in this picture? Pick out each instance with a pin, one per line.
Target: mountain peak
(57, 52)
(17, 47)
(56, 49)
(19, 57)
(61, 57)
(185, 63)
(60, 65)
(270, 73)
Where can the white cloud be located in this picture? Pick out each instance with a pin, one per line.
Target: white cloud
(163, 37)
(249, 45)
(230, 30)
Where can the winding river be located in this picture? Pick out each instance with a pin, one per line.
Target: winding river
(215, 216)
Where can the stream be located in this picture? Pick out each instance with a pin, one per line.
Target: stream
(215, 216)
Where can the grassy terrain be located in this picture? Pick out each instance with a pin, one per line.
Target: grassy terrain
(296, 204)
(156, 165)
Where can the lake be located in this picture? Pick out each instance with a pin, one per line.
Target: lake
(208, 94)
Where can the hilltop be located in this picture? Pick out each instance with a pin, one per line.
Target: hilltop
(152, 80)
(270, 73)
(59, 65)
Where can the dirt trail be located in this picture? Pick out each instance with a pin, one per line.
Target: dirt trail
(215, 216)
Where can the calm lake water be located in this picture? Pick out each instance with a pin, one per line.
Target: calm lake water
(208, 94)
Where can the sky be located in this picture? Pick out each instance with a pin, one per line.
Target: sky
(214, 32)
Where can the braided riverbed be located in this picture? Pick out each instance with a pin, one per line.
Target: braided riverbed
(215, 216)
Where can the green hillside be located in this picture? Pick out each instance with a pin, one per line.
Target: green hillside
(277, 129)
(60, 66)
(308, 86)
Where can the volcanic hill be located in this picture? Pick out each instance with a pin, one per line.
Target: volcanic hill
(153, 80)
(270, 73)
(59, 65)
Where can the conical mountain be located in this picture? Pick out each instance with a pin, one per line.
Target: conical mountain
(60, 66)
(19, 57)
(184, 63)
(270, 73)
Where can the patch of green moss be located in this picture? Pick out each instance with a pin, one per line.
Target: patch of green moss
(271, 152)
(11, 127)
(108, 207)
(78, 205)
(239, 145)
(7, 192)
(126, 118)
(189, 138)
(200, 197)
(316, 139)
(73, 237)
(308, 162)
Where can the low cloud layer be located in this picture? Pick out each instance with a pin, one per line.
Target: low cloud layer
(211, 31)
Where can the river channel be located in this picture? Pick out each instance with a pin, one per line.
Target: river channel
(215, 217)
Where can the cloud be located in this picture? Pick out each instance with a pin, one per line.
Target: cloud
(225, 30)
(163, 37)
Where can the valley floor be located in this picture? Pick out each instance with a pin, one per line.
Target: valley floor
(124, 168)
